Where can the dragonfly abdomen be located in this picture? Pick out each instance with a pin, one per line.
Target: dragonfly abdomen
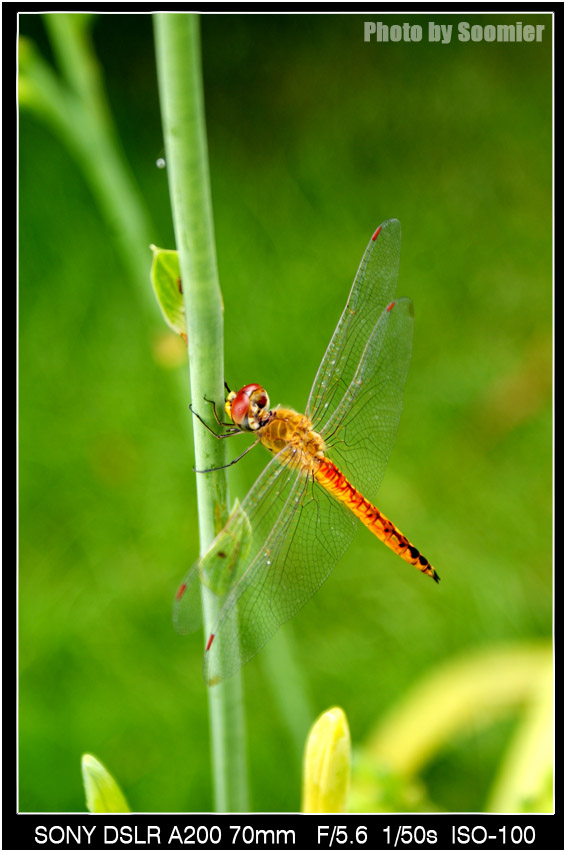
(334, 481)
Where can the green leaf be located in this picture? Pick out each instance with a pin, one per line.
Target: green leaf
(166, 282)
(218, 570)
(524, 779)
(228, 551)
(480, 686)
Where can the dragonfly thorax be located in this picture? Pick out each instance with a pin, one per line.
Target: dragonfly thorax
(288, 431)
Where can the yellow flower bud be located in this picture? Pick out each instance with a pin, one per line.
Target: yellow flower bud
(103, 796)
(326, 768)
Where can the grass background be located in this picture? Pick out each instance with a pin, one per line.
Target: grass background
(315, 137)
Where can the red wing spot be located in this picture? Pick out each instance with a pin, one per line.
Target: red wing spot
(375, 236)
(180, 286)
(391, 306)
(210, 641)
(181, 592)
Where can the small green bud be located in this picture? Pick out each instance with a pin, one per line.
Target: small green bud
(103, 796)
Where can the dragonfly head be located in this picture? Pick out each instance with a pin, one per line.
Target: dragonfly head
(248, 408)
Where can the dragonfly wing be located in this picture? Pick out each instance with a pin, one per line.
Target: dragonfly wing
(308, 531)
(220, 568)
(187, 608)
(361, 432)
(372, 291)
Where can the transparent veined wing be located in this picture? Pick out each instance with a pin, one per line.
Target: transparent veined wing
(297, 533)
(357, 396)
(372, 291)
(237, 543)
(361, 433)
(218, 569)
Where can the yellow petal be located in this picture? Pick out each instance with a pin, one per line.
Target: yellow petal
(326, 768)
(103, 796)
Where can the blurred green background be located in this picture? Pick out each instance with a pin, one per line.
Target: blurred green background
(315, 137)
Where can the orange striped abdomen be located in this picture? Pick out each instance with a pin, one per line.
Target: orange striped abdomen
(333, 481)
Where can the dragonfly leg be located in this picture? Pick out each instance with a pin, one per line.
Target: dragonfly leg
(216, 417)
(228, 434)
(224, 466)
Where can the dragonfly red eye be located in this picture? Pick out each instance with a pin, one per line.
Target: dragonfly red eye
(251, 390)
(240, 407)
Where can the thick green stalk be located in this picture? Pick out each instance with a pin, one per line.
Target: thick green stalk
(182, 107)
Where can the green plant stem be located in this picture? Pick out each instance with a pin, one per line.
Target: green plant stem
(76, 109)
(182, 106)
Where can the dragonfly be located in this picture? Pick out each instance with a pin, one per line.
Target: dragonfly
(283, 540)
